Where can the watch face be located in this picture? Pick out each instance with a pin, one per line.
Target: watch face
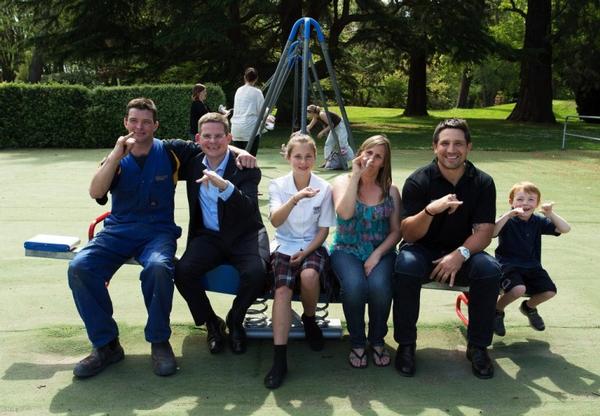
(464, 252)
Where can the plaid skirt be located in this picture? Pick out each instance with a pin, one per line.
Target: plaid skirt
(286, 275)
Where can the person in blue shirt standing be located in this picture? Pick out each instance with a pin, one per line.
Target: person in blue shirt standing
(519, 252)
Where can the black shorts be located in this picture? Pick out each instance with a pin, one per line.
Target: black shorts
(535, 280)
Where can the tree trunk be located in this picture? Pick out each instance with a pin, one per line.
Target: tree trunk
(7, 74)
(289, 12)
(35, 67)
(465, 85)
(416, 102)
(535, 93)
(588, 103)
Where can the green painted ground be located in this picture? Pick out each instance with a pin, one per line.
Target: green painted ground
(41, 337)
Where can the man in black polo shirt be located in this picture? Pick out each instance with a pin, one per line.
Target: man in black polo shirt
(448, 220)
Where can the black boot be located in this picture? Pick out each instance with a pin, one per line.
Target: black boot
(99, 359)
(275, 376)
(313, 333)
(405, 360)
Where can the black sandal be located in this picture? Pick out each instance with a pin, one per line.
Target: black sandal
(364, 362)
(380, 355)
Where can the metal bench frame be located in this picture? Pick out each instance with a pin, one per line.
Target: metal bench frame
(224, 279)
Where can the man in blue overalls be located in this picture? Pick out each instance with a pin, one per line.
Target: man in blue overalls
(141, 173)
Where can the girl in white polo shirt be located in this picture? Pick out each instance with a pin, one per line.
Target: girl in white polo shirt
(301, 210)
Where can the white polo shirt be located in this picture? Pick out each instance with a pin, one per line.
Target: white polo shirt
(303, 223)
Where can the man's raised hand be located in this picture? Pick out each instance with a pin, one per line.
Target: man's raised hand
(212, 177)
(449, 202)
(124, 145)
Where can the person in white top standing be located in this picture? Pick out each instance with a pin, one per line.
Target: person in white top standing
(301, 209)
(247, 105)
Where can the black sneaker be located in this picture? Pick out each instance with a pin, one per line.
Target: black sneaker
(163, 359)
(99, 359)
(499, 328)
(535, 320)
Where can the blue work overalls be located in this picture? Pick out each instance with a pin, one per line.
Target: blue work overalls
(141, 225)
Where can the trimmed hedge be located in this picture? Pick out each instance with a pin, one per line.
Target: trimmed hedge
(75, 116)
(42, 116)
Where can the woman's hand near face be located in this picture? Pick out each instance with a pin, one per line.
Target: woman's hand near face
(360, 164)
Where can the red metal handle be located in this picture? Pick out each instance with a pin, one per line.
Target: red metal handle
(93, 224)
(460, 299)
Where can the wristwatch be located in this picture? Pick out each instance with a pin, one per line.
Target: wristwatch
(465, 252)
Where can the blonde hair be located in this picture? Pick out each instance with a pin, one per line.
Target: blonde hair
(315, 109)
(528, 187)
(296, 139)
(214, 118)
(384, 176)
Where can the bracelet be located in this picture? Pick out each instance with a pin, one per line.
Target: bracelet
(294, 201)
(427, 212)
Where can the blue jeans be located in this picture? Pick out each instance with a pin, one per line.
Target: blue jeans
(413, 267)
(95, 265)
(357, 289)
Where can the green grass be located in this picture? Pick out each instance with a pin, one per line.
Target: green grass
(489, 127)
(555, 372)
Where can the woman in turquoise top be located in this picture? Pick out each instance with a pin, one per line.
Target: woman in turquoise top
(367, 205)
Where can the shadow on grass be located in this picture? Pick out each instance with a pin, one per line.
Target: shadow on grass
(319, 383)
(536, 361)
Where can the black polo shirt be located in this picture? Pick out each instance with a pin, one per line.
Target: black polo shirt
(520, 242)
(475, 189)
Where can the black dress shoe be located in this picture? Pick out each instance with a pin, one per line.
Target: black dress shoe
(274, 378)
(215, 337)
(480, 362)
(99, 359)
(237, 335)
(405, 360)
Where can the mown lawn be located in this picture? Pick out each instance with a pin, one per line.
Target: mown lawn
(555, 372)
(490, 129)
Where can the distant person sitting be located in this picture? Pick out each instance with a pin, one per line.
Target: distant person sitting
(247, 106)
(519, 252)
(225, 227)
(336, 153)
(198, 108)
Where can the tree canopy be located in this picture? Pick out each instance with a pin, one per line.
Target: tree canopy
(402, 53)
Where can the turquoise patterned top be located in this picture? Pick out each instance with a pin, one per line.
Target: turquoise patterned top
(366, 230)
